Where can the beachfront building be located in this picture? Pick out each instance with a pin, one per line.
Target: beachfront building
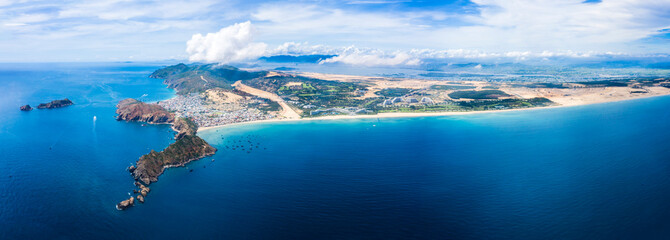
(426, 100)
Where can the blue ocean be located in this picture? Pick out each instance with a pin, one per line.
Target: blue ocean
(599, 171)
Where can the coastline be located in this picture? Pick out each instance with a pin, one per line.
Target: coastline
(409, 115)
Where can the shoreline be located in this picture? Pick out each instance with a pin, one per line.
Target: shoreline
(410, 115)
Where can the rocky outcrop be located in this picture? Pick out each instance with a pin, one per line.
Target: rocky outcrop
(55, 104)
(184, 150)
(26, 108)
(134, 110)
(144, 190)
(183, 127)
(187, 147)
(125, 204)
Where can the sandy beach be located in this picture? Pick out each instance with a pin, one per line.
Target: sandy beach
(430, 114)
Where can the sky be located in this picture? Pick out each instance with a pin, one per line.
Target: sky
(367, 32)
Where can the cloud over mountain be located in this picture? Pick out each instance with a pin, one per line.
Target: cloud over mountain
(230, 44)
(355, 56)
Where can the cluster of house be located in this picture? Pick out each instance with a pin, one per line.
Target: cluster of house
(406, 100)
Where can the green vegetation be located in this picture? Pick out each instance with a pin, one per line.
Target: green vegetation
(451, 87)
(477, 105)
(393, 92)
(198, 78)
(185, 149)
(504, 104)
(422, 108)
(266, 106)
(483, 94)
(650, 81)
(316, 92)
(606, 83)
(541, 85)
(312, 94)
(184, 126)
(641, 81)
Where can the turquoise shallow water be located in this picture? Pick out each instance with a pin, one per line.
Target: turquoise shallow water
(588, 172)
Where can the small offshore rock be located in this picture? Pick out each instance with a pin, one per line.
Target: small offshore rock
(131, 169)
(26, 108)
(140, 198)
(144, 190)
(125, 204)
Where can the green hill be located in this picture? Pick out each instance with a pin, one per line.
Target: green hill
(198, 77)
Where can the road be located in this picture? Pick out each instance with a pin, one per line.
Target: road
(287, 111)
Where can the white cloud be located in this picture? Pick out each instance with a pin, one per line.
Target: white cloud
(230, 44)
(377, 57)
(125, 10)
(348, 55)
(103, 30)
(373, 56)
(5, 3)
(537, 25)
(153, 30)
(286, 23)
(293, 48)
(355, 56)
(498, 25)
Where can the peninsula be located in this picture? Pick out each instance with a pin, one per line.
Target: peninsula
(187, 147)
(216, 95)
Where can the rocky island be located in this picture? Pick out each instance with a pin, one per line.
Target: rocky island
(26, 108)
(55, 104)
(187, 147)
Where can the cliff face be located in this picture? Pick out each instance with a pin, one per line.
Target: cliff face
(184, 150)
(55, 104)
(134, 110)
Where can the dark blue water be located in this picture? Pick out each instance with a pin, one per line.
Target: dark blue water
(591, 172)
